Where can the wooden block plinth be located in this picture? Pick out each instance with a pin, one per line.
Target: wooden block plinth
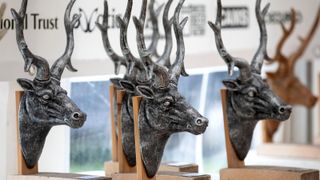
(268, 173)
(112, 167)
(165, 176)
(179, 167)
(55, 176)
(290, 150)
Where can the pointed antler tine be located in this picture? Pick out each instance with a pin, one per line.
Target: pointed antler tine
(164, 59)
(104, 27)
(178, 67)
(2, 10)
(43, 72)
(261, 53)
(243, 65)
(305, 42)
(154, 14)
(64, 61)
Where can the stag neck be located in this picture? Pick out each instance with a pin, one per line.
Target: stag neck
(32, 144)
(151, 151)
(241, 128)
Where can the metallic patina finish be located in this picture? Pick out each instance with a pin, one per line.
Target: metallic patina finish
(44, 103)
(284, 82)
(119, 60)
(250, 99)
(163, 110)
(2, 10)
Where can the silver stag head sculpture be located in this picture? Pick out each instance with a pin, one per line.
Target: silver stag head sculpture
(44, 104)
(250, 99)
(163, 110)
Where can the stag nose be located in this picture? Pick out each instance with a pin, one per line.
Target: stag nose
(202, 122)
(78, 116)
(285, 109)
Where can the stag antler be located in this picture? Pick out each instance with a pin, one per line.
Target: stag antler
(243, 65)
(2, 9)
(104, 27)
(177, 68)
(65, 60)
(164, 59)
(133, 63)
(279, 56)
(261, 53)
(43, 72)
(154, 14)
(153, 68)
(304, 43)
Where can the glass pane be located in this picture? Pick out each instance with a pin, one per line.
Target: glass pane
(181, 146)
(90, 146)
(214, 156)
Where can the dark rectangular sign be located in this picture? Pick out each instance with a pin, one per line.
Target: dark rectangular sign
(235, 17)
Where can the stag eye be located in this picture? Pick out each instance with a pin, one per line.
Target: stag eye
(167, 103)
(46, 97)
(251, 94)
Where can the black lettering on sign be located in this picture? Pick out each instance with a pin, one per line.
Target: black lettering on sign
(235, 17)
(197, 19)
(275, 17)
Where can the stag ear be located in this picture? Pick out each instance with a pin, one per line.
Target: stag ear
(26, 84)
(231, 85)
(128, 86)
(145, 92)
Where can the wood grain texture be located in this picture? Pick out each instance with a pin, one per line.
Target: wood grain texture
(290, 150)
(56, 176)
(267, 173)
(114, 143)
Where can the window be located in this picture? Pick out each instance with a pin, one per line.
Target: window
(90, 146)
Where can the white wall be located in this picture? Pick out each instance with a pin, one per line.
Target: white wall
(90, 59)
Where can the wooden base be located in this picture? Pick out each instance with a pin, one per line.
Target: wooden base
(112, 167)
(179, 167)
(165, 176)
(267, 173)
(55, 176)
(290, 150)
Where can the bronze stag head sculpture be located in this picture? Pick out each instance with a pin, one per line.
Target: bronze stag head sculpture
(284, 82)
(163, 111)
(44, 103)
(249, 98)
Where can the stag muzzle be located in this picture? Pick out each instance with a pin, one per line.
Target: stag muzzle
(198, 125)
(74, 117)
